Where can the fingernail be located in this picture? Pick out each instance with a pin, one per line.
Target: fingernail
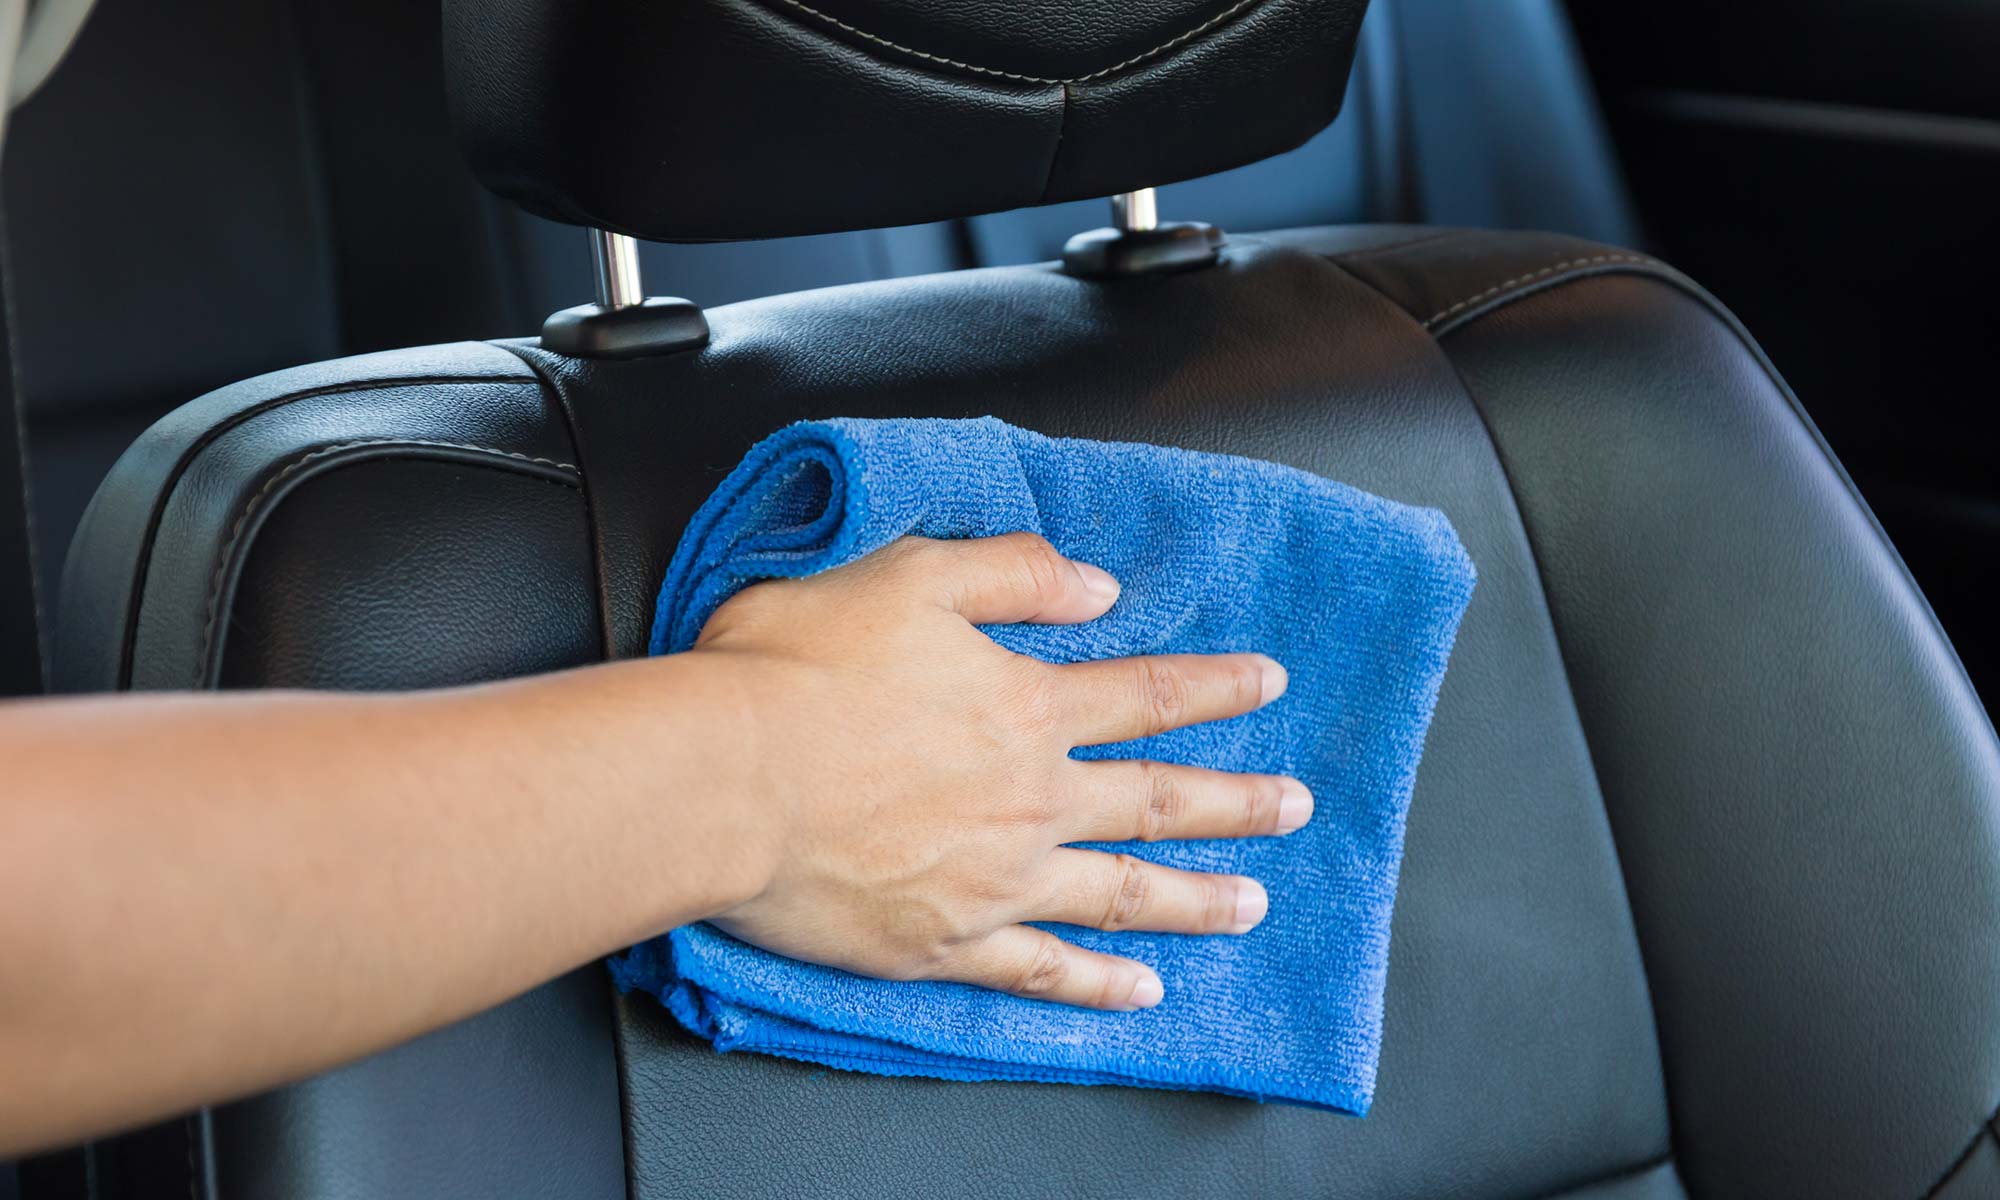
(1295, 806)
(1274, 681)
(1252, 902)
(1098, 581)
(1147, 992)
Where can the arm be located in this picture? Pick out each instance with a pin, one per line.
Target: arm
(206, 895)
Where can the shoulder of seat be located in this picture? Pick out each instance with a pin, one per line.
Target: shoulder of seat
(267, 397)
(201, 467)
(1445, 279)
(1449, 279)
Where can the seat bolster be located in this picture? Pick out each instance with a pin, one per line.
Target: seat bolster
(1803, 785)
(166, 532)
(1446, 277)
(414, 539)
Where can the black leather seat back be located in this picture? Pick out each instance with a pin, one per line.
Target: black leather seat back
(1613, 964)
(1276, 354)
(1703, 864)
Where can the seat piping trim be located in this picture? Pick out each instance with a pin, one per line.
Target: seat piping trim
(257, 502)
(1550, 278)
(1536, 282)
(1518, 281)
(128, 638)
(1986, 1129)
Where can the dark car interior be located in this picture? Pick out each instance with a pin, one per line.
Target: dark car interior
(1702, 894)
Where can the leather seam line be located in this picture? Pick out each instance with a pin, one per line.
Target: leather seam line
(621, 1056)
(292, 468)
(1389, 248)
(1536, 554)
(1985, 1130)
(1644, 1168)
(187, 1138)
(1172, 43)
(185, 462)
(1517, 281)
(1535, 557)
(18, 404)
(1055, 150)
(559, 403)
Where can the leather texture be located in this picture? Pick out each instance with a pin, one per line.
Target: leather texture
(1657, 1182)
(599, 112)
(521, 1100)
(1750, 842)
(1976, 1174)
(1704, 856)
(143, 613)
(1682, 518)
(397, 520)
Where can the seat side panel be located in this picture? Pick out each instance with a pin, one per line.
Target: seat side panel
(399, 559)
(1801, 780)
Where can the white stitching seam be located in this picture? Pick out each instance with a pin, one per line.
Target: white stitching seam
(1544, 273)
(293, 467)
(1113, 69)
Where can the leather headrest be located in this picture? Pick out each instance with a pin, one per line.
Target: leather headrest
(694, 120)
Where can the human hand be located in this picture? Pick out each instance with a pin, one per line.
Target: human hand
(920, 788)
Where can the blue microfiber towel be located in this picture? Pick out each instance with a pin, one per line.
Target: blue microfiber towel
(1359, 597)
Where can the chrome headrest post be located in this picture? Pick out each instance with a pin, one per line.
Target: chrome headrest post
(1135, 212)
(615, 258)
(624, 323)
(1138, 244)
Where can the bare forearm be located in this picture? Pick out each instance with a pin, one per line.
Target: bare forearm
(201, 896)
(205, 896)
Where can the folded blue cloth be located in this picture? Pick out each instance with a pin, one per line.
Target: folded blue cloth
(1359, 597)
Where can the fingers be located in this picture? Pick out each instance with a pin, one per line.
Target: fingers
(1116, 892)
(1041, 966)
(1017, 577)
(1110, 892)
(1150, 802)
(1118, 699)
